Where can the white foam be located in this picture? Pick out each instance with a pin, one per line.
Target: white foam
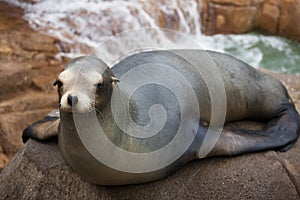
(84, 24)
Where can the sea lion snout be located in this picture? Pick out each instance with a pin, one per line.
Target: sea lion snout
(72, 100)
(76, 102)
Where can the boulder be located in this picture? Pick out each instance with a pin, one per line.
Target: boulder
(38, 171)
(268, 16)
(277, 17)
(228, 16)
(232, 19)
(289, 24)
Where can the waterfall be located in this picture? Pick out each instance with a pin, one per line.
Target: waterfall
(84, 24)
(113, 29)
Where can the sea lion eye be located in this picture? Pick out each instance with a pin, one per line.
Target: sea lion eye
(58, 83)
(99, 85)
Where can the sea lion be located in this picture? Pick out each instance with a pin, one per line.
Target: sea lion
(86, 90)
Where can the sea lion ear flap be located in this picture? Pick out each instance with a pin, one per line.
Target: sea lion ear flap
(115, 80)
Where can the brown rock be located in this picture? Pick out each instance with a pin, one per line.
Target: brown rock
(230, 19)
(6, 50)
(3, 159)
(205, 14)
(279, 17)
(171, 21)
(10, 141)
(268, 16)
(289, 23)
(234, 2)
(28, 102)
(155, 12)
(26, 74)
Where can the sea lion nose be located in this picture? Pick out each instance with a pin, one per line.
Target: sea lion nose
(72, 100)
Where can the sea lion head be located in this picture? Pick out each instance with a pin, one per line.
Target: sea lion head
(85, 85)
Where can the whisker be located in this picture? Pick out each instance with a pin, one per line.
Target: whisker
(97, 110)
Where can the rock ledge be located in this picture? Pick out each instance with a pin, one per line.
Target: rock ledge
(38, 171)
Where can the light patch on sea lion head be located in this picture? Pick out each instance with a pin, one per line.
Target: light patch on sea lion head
(83, 88)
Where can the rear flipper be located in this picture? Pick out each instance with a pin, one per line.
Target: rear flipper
(279, 134)
(44, 129)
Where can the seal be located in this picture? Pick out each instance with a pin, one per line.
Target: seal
(89, 94)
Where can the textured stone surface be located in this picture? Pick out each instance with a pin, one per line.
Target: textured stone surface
(27, 69)
(278, 17)
(268, 16)
(289, 23)
(231, 19)
(38, 171)
(228, 16)
(234, 2)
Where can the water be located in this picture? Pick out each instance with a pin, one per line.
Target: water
(84, 24)
(271, 52)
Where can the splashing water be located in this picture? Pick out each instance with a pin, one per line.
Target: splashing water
(84, 24)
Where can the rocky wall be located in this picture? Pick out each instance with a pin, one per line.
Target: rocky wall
(276, 17)
(27, 68)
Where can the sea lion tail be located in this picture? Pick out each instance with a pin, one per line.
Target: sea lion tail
(279, 134)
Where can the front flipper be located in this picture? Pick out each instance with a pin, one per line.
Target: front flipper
(44, 129)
